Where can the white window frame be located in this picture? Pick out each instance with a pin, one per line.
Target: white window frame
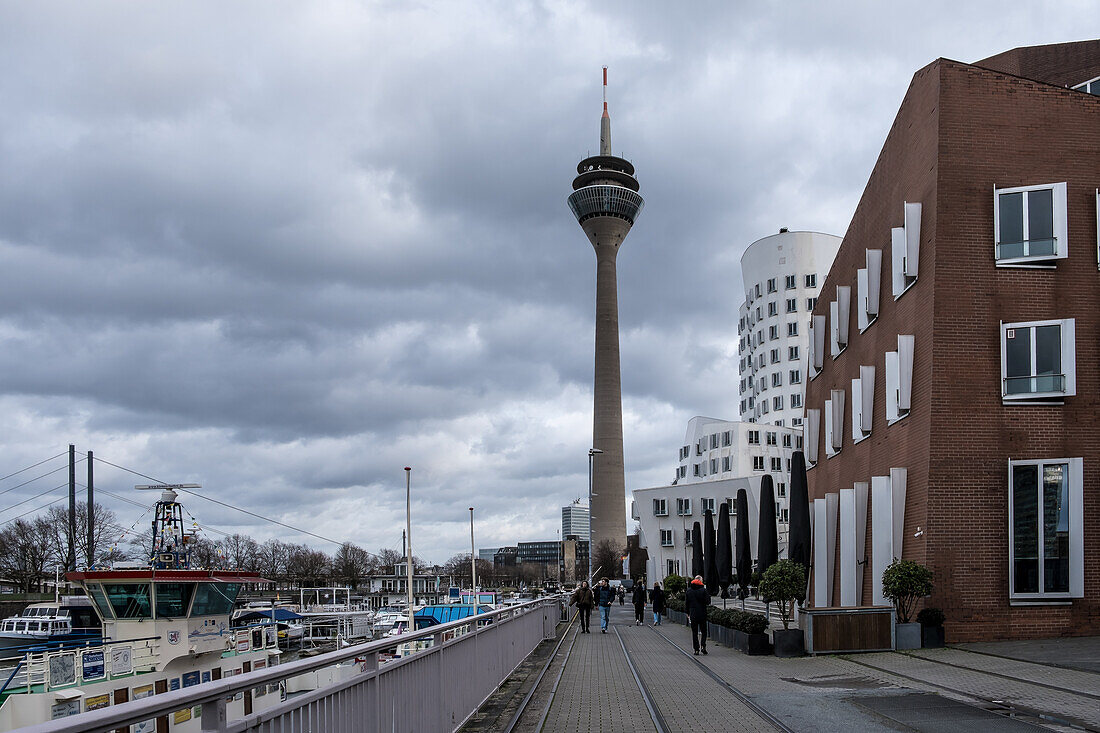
(1069, 366)
(792, 305)
(795, 376)
(773, 284)
(791, 281)
(1084, 86)
(726, 464)
(777, 464)
(1076, 532)
(777, 403)
(811, 280)
(792, 328)
(660, 507)
(666, 538)
(705, 504)
(683, 507)
(1060, 225)
(777, 379)
(796, 400)
(758, 463)
(753, 437)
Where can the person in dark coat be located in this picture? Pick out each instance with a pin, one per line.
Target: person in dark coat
(622, 595)
(696, 601)
(605, 596)
(583, 600)
(657, 600)
(637, 597)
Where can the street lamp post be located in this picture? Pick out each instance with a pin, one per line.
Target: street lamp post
(592, 453)
(409, 546)
(473, 556)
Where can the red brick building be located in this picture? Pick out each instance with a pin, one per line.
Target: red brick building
(954, 403)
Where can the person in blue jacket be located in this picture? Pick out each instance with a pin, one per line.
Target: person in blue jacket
(605, 596)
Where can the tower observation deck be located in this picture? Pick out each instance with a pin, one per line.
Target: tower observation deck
(606, 202)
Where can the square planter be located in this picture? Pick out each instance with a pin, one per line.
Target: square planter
(931, 637)
(907, 636)
(758, 644)
(740, 640)
(789, 643)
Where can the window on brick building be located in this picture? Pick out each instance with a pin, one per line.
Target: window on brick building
(1045, 518)
(1038, 361)
(1029, 224)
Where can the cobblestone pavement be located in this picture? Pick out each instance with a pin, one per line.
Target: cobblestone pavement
(689, 700)
(597, 690)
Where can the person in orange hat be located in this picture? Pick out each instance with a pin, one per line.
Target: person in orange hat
(696, 601)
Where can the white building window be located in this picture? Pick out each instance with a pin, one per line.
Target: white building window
(839, 311)
(764, 407)
(714, 441)
(792, 305)
(773, 309)
(726, 464)
(863, 396)
(714, 465)
(666, 538)
(777, 402)
(786, 440)
(1029, 224)
(754, 437)
(772, 285)
(777, 463)
(791, 281)
(683, 507)
(777, 379)
(758, 463)
(796, 401)
(776, 355)
(796, 422)
(811, 281)
(672, 567)
(796, 376)
(811, 303)
(792, 351)
(781, 489)
(785, 517)
(773, 333)
(707, 505)
(1038, 360)
(660, 507)
(770, 437)
(696, 470)
(727, 438)
(1046, 529)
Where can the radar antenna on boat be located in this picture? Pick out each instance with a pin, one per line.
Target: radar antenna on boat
(171, 546)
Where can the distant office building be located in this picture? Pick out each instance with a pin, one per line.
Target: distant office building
(506, 557)
(574, 520)
(487, 553)
(783, 275)
(954, 391)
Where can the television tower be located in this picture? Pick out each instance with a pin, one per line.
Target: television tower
(605, 201)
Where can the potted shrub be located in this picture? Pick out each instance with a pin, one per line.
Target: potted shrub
(755, 626)
(931, 628)
(905, 582)
(784, 584)
(676, 608)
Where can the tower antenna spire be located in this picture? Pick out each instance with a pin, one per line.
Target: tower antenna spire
(605, 121)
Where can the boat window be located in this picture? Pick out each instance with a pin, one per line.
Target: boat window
(129, 600)
(63, 612)
(95, 590)
(173, 599)
(214, 598)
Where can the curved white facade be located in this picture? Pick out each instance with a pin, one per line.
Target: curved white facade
(782, 275)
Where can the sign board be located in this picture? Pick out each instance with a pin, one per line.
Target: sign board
(92, 665)
(181, 716)
(96, 702)
(145, 726)
(190, 679)
(122, 660)
(244, 638)
(206, 675)
(174, 683)
(62, 670)
(64, 709)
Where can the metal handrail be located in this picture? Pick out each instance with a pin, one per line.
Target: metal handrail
(1027, 244)
(216, 691)
(1057, 384)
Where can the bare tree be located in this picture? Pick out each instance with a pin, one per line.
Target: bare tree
(308, 567)
(27, 553)
(105, 528)
(608, 559)
(241, 551)
(351, 564)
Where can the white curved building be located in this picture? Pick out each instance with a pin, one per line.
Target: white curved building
(782, 274)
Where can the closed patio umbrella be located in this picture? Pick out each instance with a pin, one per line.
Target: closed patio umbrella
(798, 541)
(744, 554)
(696, 550)
(767, 539)
(710, 562)
(724, 554)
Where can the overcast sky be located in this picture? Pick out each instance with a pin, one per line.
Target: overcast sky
(286, 249)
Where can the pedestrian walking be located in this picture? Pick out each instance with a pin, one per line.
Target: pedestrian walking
(637, 597)
(583, 600)
(605, 595)
(622, 595)
(697, 600)
(657, 600)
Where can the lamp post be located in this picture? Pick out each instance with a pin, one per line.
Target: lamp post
(592, 453)
(409, 545)
(473, 557)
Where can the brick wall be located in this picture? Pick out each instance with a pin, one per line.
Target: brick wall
(960, 131)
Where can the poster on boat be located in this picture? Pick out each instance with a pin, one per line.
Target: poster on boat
(62, 670)
(96, 702)
(190, 679)
(93, 665)
(64, 709)
(145, 726)
(122, 660)
(244, 639)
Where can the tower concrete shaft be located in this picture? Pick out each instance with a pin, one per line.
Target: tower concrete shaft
(605, 201)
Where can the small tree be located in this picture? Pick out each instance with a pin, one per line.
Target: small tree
(905, 582)
(675, 583)
(784, 583)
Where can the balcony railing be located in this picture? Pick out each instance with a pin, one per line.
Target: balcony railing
(442, 680)
(603, 200)
(1040, 249)
(1034, 384)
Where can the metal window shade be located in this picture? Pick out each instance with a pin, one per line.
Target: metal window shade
(837, 427)
(905, 372)
(912, 238)
(874, 282)
(835, 344)
(862, 318)
(867, 397)
(844, 310)
(897, 260)
(818, 342)
(812, 425)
